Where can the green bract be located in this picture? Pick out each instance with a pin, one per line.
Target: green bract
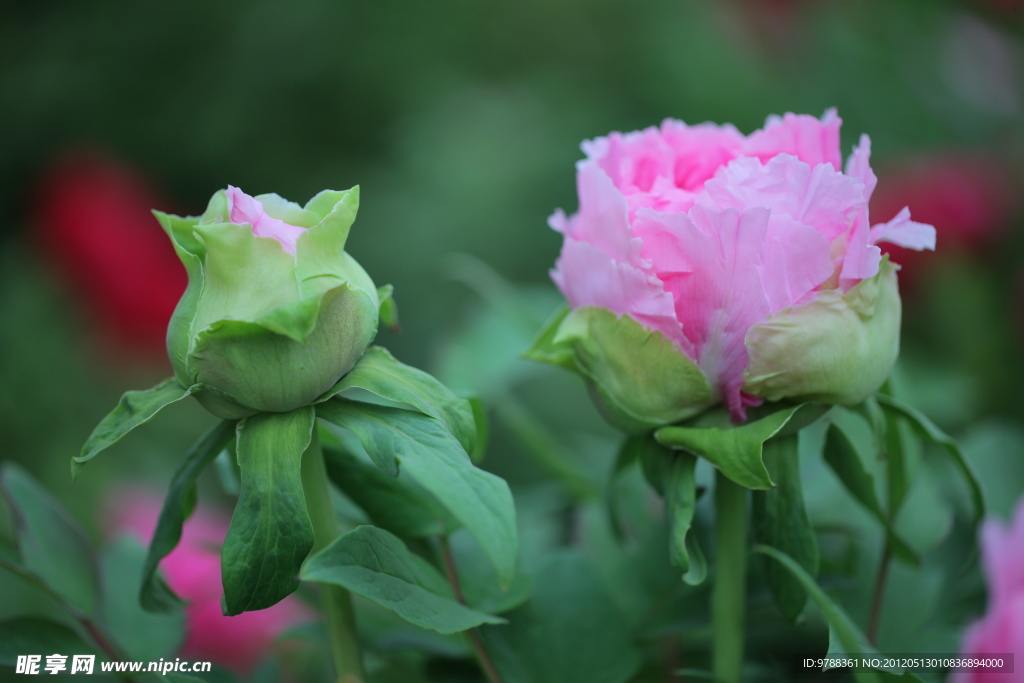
(260, 330)
(641, 378)
(839, 348)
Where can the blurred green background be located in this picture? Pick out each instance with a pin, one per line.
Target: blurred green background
(461, 121)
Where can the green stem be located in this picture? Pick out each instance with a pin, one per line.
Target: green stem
(728, 596)
(341, 620)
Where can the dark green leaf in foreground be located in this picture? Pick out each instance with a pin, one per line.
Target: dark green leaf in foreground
(52, 545)
(479, 500)
(376, 564)
(380, 373)
(134, 409)
(842, 457)
(736, 450)
(780, 520)
(680, 504)
(392, 503)
(142, 636)
(35, 635)
(270, 533)
(154, 594)
(926, 429)
(844, 637)
(567, 632)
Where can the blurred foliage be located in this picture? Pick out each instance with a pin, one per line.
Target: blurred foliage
(461, 121)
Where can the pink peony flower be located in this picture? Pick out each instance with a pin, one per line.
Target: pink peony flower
(1001, 630)
(245, 209)
(701, 233)
(192, 571)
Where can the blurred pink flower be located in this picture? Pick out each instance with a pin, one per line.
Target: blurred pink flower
(699, 232)
(1001, 630)
(246, 209)
(93, 222)
(967, 196)
(192, 571)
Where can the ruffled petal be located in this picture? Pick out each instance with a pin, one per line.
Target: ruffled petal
(603, 218)
(246, 209)
(904, 232)
(813, 141)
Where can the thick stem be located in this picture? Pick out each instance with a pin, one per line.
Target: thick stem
(876, 601)
(484, 659)
(728, 596)
(337, 603)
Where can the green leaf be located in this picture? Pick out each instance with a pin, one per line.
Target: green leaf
(135, 408)
(680, 503)
(52, 545)
(844, 636)
(270, 533)
(142, 636)
(569, 631)
(376, 564)
(399, 506)
(479, 582)
(380, 373)
(736, 450)
(843, 458)
(426, 450)
(35, 635)
(482, 428)
(388, 308)
(154, 595)
(926, 429)
(780, 521)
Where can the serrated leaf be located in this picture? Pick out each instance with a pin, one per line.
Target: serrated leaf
(393, 504)
(52, 545)
(844, 636)
(376, 564)
(154, 595)
(926, 429)
(141, 635)
(842, 457)
(426, 450)
(35, 635)
(567, 632)
(134, 409)
(380, 373)
(780, 520)
(270, 533)
(736, 450)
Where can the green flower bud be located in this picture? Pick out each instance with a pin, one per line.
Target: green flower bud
(276, 311)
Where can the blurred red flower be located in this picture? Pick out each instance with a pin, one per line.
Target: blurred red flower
(93, 223)
(968, 197)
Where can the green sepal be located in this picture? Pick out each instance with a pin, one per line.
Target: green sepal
(837, 348)
(926, 429)
(780, 520)
(278, 362)
(388, 312)
(270, 533)
(845, 461)
(642, 379)
(845, 639)
(134, 409)
(154, 594)
(191, 252)
(429, 453)
(319, 262)
(376, 564)
(736, 450)
(380, 373)
(52, 545)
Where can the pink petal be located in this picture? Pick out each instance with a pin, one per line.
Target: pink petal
(589, 277)
(603, 218)
(904, 232)
(797, 260)
(862, 257)
(858, 166)
(811, 140)
(723, 296)
(246, 209)
(700, 151)
(820, 197)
